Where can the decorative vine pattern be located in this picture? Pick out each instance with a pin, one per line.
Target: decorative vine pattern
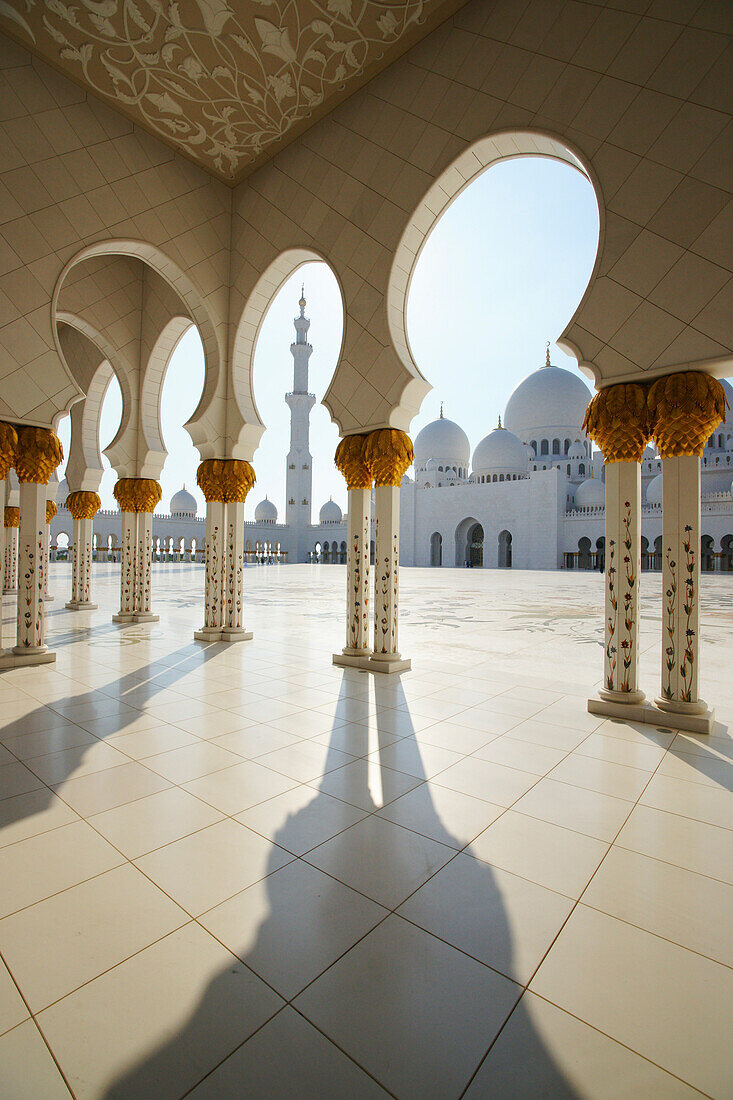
(686, 643)
(627, 643)
(688, 655)
(612, 621)
(217, 79)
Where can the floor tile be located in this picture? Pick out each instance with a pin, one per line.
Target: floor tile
(212, 725)
(617, 751)
(26, 815)
(617, 780)
(449, 735)
(483, 779)
(254, 741)
(560, 859)
(27, 1070)
(691, 844)
(191, 762)
(553, 736)
(151, 742)
(698, 800)
(525, 755)
(150, 822)
(39, 742)
(412, 758)
(290, 926)
(123, 913)
(500, 919)
(596, 815)
(70, 764)
(91, 794)
(544, 1052)
(155, 1025)
(314, 1067)
(301, 818)
(305, 761)
(380, 859)
(356, 739)
(17, 779)
(430, 1050)
(668, 1004)
(366, 785)
(209, 866)
(237, 788)
(695, 768)
(12, 1008)
(442, 814)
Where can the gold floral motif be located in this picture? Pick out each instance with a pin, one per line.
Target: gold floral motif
(12, 517)
(388, 453)
(617, 419)
(39, 453)
(51, 510)
(685, 409)
(8, 448)
(350, 461)
(83, 505)
(226, 480)
(137, 494)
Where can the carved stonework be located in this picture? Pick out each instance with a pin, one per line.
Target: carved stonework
(83, 505)
(137, 494)
(388, 454)
(8, 448)
(350, 461)
(38, 454)
(617, 419)
(685, 410)
(51, 510)
(12, 517)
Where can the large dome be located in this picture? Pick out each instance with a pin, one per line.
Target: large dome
(590, 493)
(500, 452)
(330, 513)
(265, 512)
(654, 490)
(183, 503)
(551, 397)
(442, 439)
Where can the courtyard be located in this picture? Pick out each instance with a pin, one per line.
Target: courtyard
(450, 882)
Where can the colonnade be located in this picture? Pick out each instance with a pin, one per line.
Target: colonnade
(678, 412)
(381, 458)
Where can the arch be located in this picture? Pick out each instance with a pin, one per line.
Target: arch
(584, 553)
(707, 553)
(466, 531)
(505, 550)
(436, 549)
(726, 557)
(556, 446)
(601, 553)
(151, 389)
(544, 447)
(657, 553)
(645, 556)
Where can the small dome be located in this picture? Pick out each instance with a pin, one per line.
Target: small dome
(442, 439)
(550, 397)
(330, 513)
(265, 512)
(183, 503)
(500, 452)
(577, 450)
(531, 456)
(654, 490)
(590, 493)
(62, 492)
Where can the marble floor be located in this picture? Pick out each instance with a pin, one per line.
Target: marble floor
(237, 871)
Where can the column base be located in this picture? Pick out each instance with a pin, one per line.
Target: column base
(389, 662)
(207, 634)
(212, 634)
(353, 658)
(17, 657)
(649, 714)
(237, 635)
(81, 605)
(677, 706)
(623, 698)
(124, 617)
(145, 617)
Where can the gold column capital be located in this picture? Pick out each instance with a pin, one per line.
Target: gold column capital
(38, 454)
(11, 517)
(51, 510)
(137, 494)
(83, 505)
(350, 462)
(388, 453)
(8, 448)
(225, 480)
(685, 410)
(617, 420)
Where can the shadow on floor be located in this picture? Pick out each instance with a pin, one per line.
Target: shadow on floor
(411, 1011)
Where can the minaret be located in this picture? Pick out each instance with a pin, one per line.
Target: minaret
(299, 474)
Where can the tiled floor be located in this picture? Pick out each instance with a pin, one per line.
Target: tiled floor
(237, 871)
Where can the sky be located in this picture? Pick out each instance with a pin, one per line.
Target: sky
(501, 273)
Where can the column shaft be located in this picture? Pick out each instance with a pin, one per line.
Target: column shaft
(386, 656)
(233, 630)
(46, 558)
(357, 573)
(143, 568)
(10, 580)
(128, 556)
(81, 569)
(214, 551)
(31, 569)
(623, 566)
(3, 539)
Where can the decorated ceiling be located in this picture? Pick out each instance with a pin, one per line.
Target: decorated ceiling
(228, 84)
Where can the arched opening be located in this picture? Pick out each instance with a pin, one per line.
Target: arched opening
(505, 550)
(646, 562)
(62, 546)
(707, 554)
(726, 557)
(436, 549)
(657, 553)
(584, 555)
(601, 553)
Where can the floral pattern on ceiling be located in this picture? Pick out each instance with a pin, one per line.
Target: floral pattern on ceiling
(226, 83)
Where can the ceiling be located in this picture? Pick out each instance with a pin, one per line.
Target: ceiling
(226, 84)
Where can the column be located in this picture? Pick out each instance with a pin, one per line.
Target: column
(39, 453)
(137, 498)
(388, 453)
(128, 541)
(214, 576)
(350, 460)
(617, 419)
(83, 507)
(685, 409)
(8, 449)
(51, 511)
(10, 570)
(144, 569)
(233, 630)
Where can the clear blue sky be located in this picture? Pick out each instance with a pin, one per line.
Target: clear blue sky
(501, 273)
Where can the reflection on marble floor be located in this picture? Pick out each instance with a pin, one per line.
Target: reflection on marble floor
(239, 871)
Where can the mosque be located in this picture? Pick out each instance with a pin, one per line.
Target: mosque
(532, 496)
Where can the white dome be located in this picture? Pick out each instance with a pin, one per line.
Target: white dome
(530, 452)
(62, 492)
(577, 450)
(265, 512)
(183, 503)
(590, 493)
(330, 513)
(500, 452)
(442, 439)
(654, 490)
(551, 397)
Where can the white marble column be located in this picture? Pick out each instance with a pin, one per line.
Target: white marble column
(681, 586)
(10, 572)
(128, 563)
(3, 533)
(233, 628)
(622, 571)
(32, 564)
(386, 656)
(81, 568)
(48, 598)
(143, 569)
(214, 551)
(357, 650)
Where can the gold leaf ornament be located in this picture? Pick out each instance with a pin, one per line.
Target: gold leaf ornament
(388, 453)
(685, 409)
(11, 518)
(39, 453)
(83, 505)
(8, 448)
(226, 480)
(350, 461)
(51, 510)
(137, 494)
(617, 420)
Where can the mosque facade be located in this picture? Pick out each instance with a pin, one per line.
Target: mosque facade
(530, 496)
